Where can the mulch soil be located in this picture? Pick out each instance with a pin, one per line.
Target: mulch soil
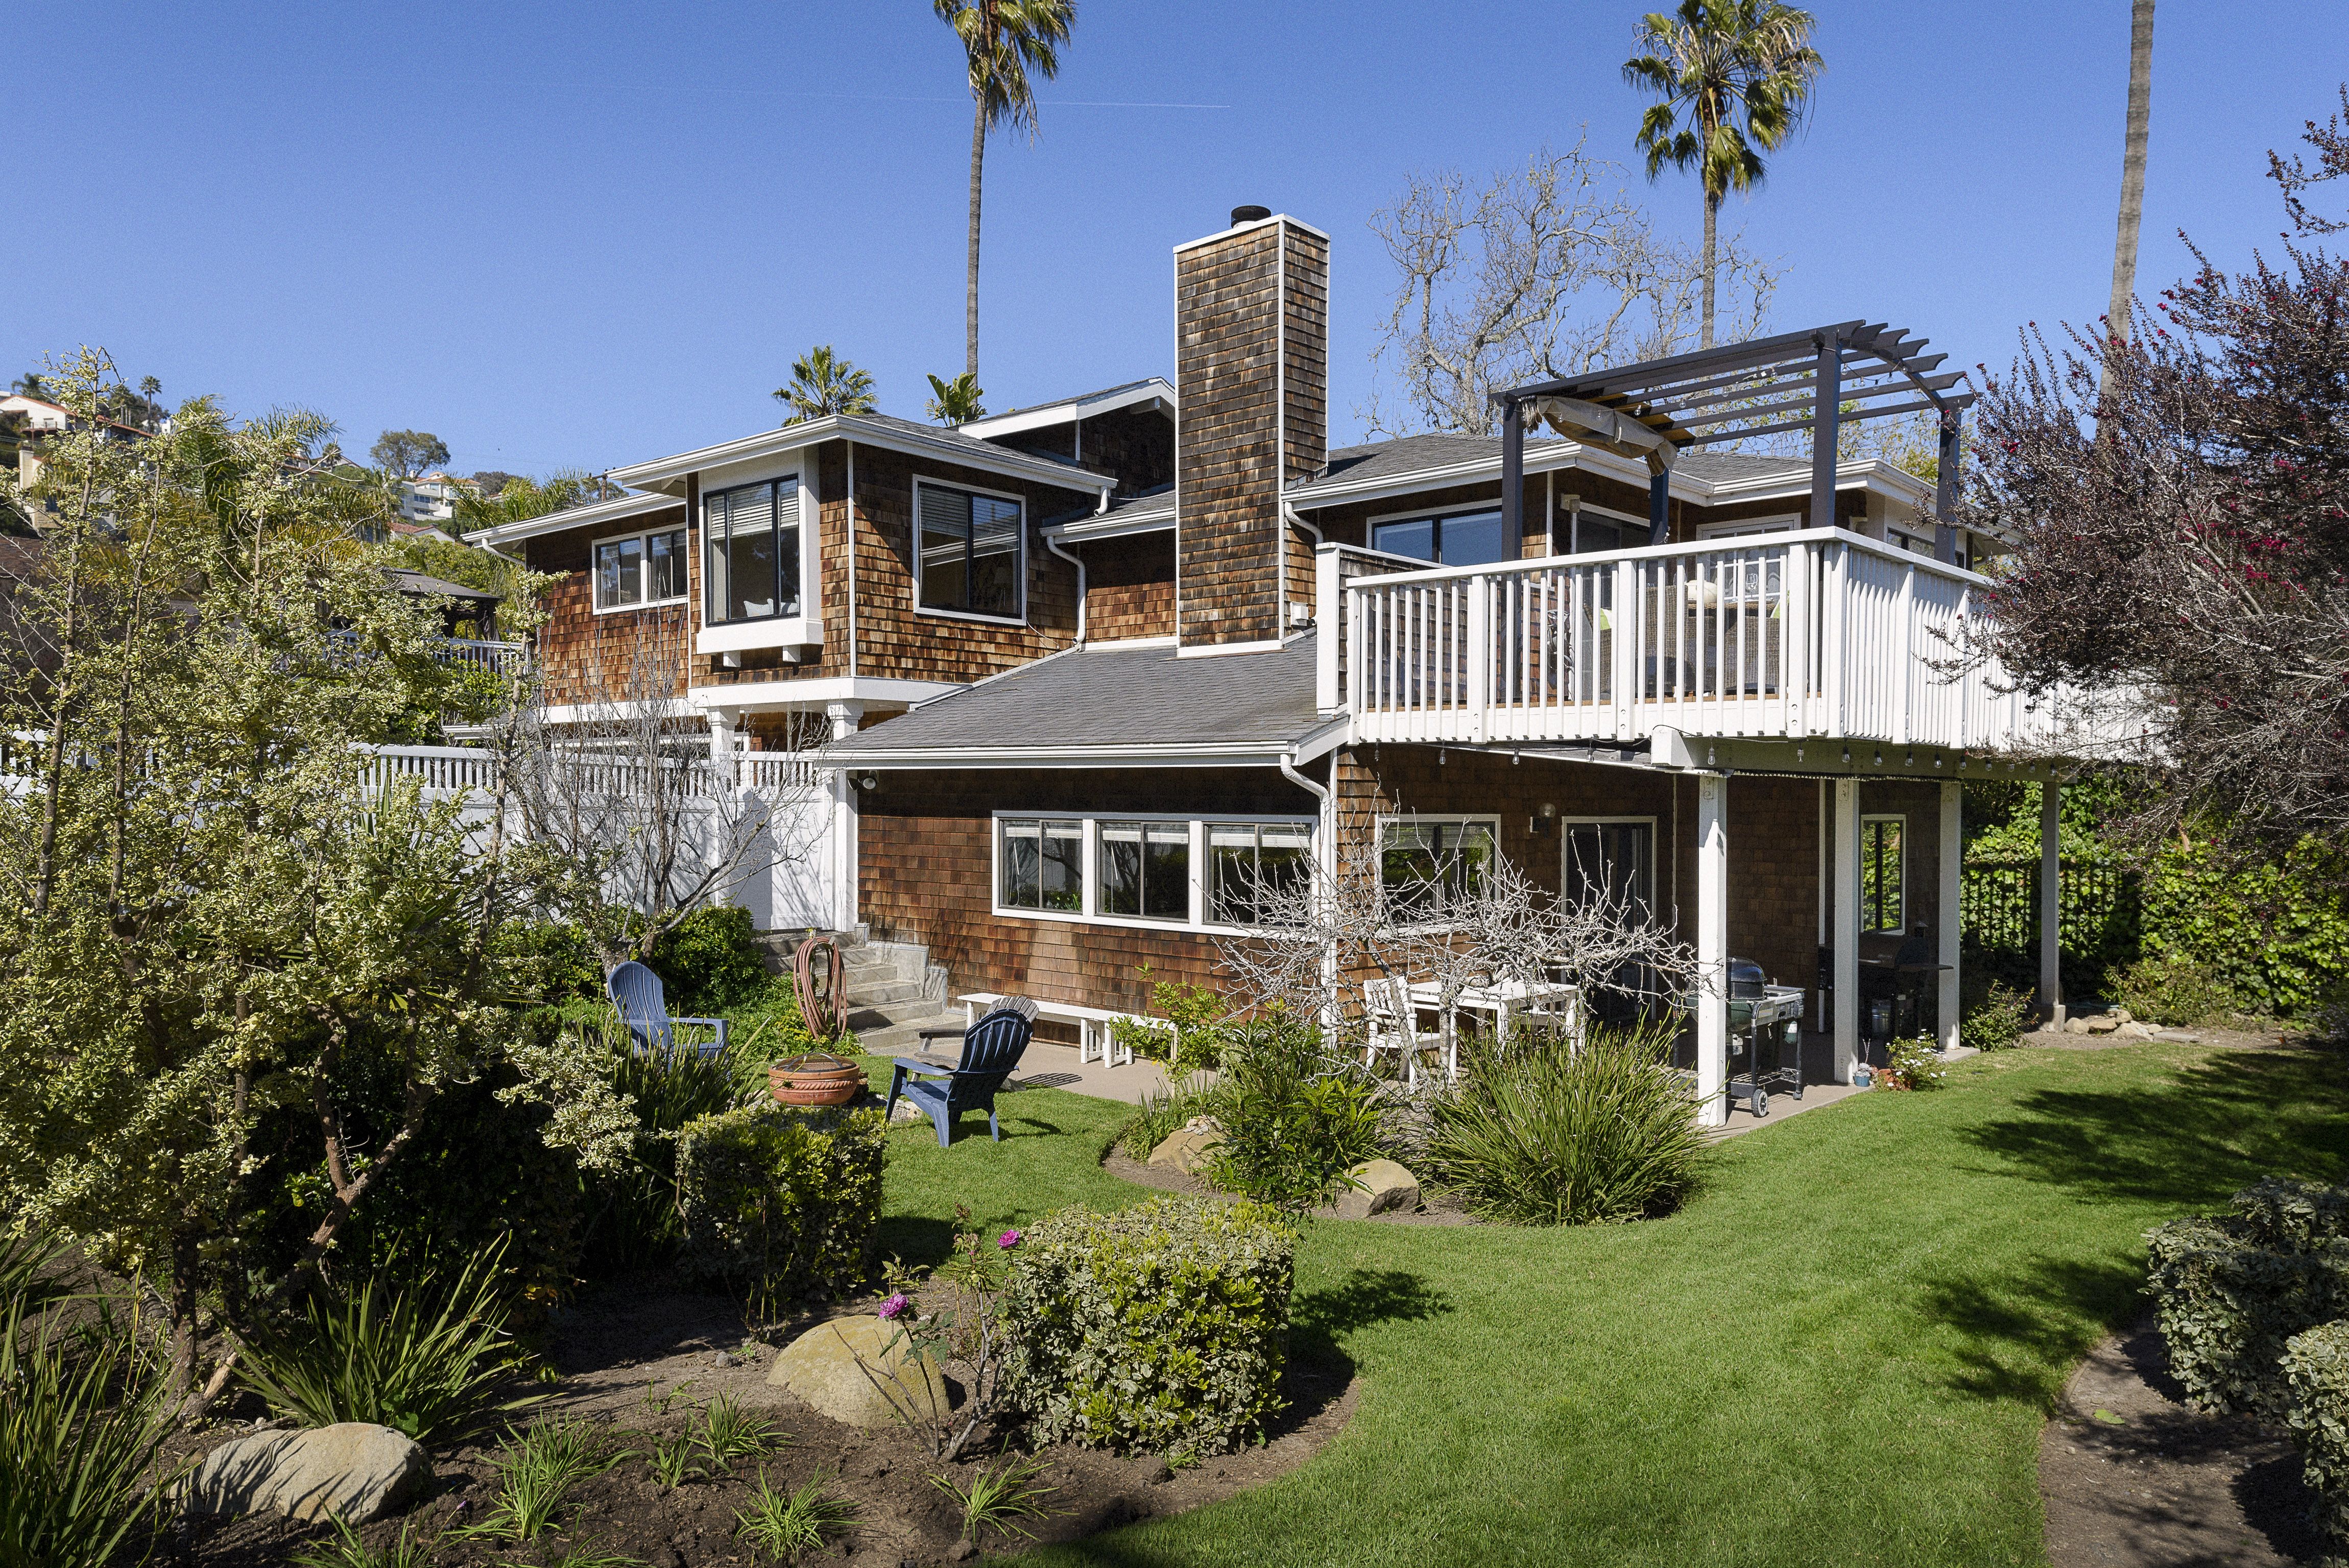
(1437, 1208)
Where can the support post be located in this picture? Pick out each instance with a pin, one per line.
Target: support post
(1847, 928)
(1513, 483)
(1946, 933)
(845, 716)
(1713, 949)
(2051, 907)
(723, 744)
(1826, 425)
(1659, 507)
(1945, 491)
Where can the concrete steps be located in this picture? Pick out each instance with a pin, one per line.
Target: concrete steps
(889, 983)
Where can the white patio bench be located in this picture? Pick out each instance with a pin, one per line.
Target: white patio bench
(1093, 1024)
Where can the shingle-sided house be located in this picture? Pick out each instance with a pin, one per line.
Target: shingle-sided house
(1095, 666)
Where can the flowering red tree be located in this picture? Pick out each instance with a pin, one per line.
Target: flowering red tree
(2183, 534)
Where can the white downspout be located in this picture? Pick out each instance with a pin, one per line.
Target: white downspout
(852, 559)
(1326, 858)
(1053, 545)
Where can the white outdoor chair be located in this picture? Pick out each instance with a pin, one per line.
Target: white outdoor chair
(1394, 1025)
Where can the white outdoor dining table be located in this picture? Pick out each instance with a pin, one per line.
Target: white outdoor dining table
(1500, 999)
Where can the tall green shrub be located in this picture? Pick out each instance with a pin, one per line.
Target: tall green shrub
(1159, 1329)
(631, 1208)
(2229, 1290)
(1294, 1120)
(782, 1198)
(2276, 932)
(710, 962)
(2316, 1380)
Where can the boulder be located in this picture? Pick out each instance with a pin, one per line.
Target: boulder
(2134, 1031)
(2123, 1014)
(1384, 1185)
(2075, 1025)
(2103, 1023)
(356, 1469)
(1190, 1147)
(826, 1368)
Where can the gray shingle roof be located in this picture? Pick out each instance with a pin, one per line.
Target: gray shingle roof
(1107, 694)
(949, 434)
(1714, 466)
(1411, 454)
(1080, 397)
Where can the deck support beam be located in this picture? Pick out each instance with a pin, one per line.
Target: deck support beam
(1946, 933)
(1713, 949)
(2051, 904)
(1847, 928)
(845, 716)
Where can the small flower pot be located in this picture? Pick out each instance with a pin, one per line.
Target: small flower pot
(819, 1077)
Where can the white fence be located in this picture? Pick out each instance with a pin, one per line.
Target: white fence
(1819, 633)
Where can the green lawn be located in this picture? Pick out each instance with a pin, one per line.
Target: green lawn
(1841, 1352)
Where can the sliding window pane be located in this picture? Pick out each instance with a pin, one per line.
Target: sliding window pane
(616, 564)
(1231, 861)
(742, 553)
(1166, 871)
(994, 556)
(1120, 867)
(665, 565)
(1472, 539)
(945, 548)
(1064, 866)
(1022, 865)
(1414, 538)
(1284, 865)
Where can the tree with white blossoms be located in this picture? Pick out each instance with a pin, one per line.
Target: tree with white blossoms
(209, 910)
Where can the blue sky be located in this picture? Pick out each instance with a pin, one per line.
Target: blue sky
(582, 235)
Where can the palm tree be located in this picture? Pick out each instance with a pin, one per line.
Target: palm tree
(956, 402)
(822, 383)
(2141, 114)
(1708, 62)
(1005, 40)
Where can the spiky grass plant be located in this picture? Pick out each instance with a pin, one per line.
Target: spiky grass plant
(729, 1433)
(998, 1496)
(345, 1549)
(82, 1419)
(426, 1357)
(536, 1472)
(1545, 1133)
(786, 1527)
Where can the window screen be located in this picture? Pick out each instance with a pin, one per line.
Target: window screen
(753, 551)
(969, 551)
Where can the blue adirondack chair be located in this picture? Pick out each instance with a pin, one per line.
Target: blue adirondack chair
(991, 1050)
(638, 993)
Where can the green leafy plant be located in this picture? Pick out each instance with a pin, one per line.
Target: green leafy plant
(588, 1557)
(1916, 1064)
(671, 1458)
(1161, 1329)
(998, 1497)
(536, 1470)
(1557, 1136)
(82, 1423)
(784, 1198)
(2316, 1409)
(787, 1526)
(1997, 1020)
(428, 1357)
(631, 1207)
(345, 1549)
(728, 1433)
(2175, 990)
(1203, 1033)
(967, 1333)
(1161, 1114)
(709, 961)
(1295, 1121)
(2229, 1290)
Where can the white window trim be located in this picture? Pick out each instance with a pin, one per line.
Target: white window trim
(724, 636)
(1734, 528)
(1089, 914)
(1900, 929)
(1566, 826)
(1020, 577)
(1378, 844)
(1466, 508)
(643, 559)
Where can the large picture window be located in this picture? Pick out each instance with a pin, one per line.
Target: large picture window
(1257, 867)
(1145, 869)
(1421, 863)
(1193, 872)
(968, 556)
(1882, 897)
(751, 551)
(1450, 539)
(640, 568)
(1043, 864)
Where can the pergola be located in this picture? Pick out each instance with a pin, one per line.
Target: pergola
(1817, 380)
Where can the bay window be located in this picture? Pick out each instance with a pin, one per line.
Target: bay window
(750, 551)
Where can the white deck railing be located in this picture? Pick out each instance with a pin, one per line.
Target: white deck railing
(460, 769)
(1815, 634)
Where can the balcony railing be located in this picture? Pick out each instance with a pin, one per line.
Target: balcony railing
(498, 658)
(1817, 633)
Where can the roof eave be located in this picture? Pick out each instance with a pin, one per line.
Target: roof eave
(967, 452)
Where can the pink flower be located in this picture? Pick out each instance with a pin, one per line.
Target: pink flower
(893, 1307)
(1008, 1240)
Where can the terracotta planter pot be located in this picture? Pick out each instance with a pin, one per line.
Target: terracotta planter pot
(817, 1078)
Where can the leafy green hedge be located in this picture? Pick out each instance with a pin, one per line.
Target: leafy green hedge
(2317, 1374)
(2230, 1290)
(2278, 932)
(780, 1197)
(1158, 1329)
(709, 962)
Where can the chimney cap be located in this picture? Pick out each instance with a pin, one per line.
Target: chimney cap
(1249, 214)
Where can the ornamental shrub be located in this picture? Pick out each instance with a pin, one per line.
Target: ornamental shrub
(1295, 1121)
(1996, 1020)
(2229, 1290)
(2174, 990)
(1158, 1329)
(2316, 1378)
(1916, 1063)
(783, 1199)
(709, 961)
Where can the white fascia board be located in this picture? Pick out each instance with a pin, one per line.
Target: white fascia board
(1090, 528)
(864, 433)
(1244, 228)
(761, 697)
(595, 514)
(1155, 390)
(1861, 474)
(1547, 458)
(1259, 754)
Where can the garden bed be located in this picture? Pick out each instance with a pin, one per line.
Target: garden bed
(628, 1350)
(1438, 1208)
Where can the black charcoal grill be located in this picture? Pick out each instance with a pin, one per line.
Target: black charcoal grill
(1766, 1037)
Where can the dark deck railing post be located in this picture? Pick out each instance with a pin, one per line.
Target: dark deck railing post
(1826, 428)
(1659, 507)
(1513, 483)
(1945, 491)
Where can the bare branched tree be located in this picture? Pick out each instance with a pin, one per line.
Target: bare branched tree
(648, 822)
(1546, 270)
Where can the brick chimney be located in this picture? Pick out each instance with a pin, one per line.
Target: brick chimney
(1252, 378)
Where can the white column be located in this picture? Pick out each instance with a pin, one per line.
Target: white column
(1713, 948)
(2050, 968)
(1847, 928)
(1953, 796)
(722, 759)
(843, 717)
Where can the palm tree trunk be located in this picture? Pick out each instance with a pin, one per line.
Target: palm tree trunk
(970, 286)
(2141, 105)
(1712, 220)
